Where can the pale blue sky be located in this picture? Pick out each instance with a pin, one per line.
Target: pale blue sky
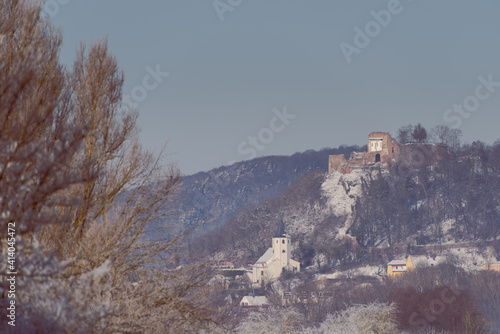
(226, 77)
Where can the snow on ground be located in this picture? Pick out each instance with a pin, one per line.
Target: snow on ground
(446, 227)
(302, 222)
(360, 271)
(471, 259)
(341, 191)
(468, 258)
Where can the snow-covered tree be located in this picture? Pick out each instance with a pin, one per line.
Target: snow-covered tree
(373, 318)
(272, 320)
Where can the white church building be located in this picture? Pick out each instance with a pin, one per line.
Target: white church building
(275, 260)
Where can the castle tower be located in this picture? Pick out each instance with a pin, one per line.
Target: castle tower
(281, 247)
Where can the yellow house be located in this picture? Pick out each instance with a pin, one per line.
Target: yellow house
(397, 268)
(492, 266)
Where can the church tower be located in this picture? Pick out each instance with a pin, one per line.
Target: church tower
(281, 247)
(276, 259)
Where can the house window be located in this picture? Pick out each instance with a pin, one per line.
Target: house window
(283, 241)
(276, 241)
(262, 273)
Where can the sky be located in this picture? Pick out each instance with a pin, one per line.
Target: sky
(228, 80)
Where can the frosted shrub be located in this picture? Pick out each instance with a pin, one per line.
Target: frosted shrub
(47, 301)
(374, 318)
(279, 321)
(361, 319)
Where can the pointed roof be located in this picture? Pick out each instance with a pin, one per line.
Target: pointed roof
(397, 263)
(280, 233)
(254, 301)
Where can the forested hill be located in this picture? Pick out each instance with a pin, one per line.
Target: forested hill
(453, 201)
(210, 199)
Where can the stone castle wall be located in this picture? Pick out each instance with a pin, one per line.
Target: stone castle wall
(335, 161)
(386, 150)
(381, 148)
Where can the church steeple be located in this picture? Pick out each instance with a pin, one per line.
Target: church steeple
(280, 233)
(281, 246)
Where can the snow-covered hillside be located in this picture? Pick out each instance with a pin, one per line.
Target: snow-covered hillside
(395, 209)
(209, 200)
(342, 190)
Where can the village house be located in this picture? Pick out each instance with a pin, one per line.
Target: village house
(255, 301)
(275, 260)
(495, 266)
(396, 268)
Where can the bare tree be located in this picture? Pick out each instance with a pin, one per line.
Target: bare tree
(404, 134)
(440, 134)
(84, 193)
(454, 139)
(443, 134)
(38, 139)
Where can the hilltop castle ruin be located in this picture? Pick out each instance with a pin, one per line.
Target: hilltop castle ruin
(381, 148)
(384, 149)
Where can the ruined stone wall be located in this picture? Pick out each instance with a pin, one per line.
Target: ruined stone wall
(335, 161)
(415, 156)
(389, 150)
(384, 149)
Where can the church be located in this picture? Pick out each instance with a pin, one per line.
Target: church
(276, 259)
